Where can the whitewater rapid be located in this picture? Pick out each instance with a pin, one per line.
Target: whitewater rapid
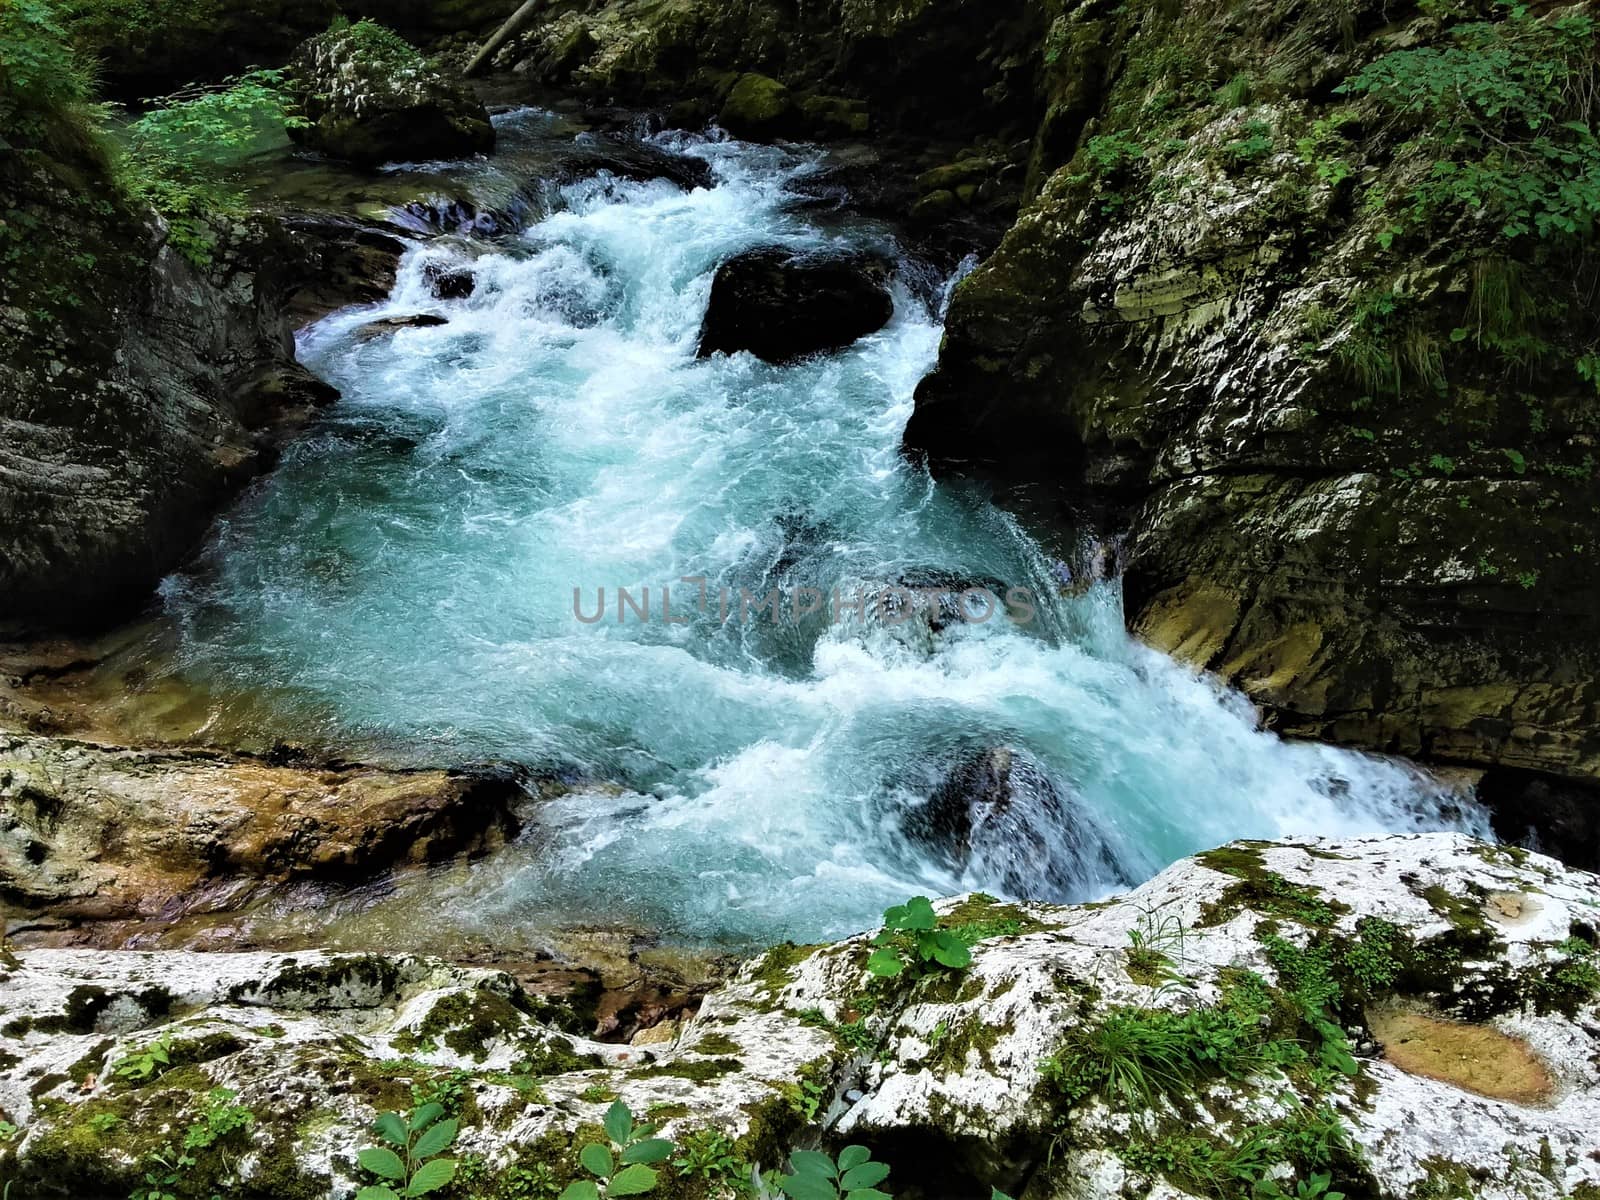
(403, 587)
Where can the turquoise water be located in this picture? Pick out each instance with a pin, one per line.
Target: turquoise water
(404, 586)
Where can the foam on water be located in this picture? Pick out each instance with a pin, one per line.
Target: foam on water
(404, 585)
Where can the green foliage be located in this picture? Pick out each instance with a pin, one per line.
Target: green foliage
(1385, 346)
(711, 1155)
(852, 1176)
(220, 1118)
(408, 1163)
(1310, 1141)
(911, 941)
(1507, 113)
(8, 1131)
(381, 47)
(147, 1062)
(45, 90)
(1136, 1055)
(1256, 143)
(623, 1167)
(181, 156)
(166, 1171)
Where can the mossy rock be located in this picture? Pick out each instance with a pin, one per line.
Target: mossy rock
(758, 107)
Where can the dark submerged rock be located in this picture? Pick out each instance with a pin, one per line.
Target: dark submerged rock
(447, 282)
(390, 324)
(780, 306)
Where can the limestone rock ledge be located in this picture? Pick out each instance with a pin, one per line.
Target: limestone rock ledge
(998, 1074)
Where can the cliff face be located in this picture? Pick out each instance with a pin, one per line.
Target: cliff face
(137, 391)
(1353, 451)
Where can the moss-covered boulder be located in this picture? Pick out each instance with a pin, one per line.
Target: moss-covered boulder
(367, 95)
(758, 106)
(1383, 1014)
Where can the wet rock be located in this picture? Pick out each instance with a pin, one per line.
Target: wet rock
(758, 107)
(95, 833)
(781, 306)
(368, 96)
(448, 282)
(390, 324)
(338, 262)
(999, 813)
(630, 158)
(956, 1066)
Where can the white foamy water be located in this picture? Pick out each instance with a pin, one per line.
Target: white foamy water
(404, 584)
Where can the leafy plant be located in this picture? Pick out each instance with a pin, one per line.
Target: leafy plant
(182, 155)
(709, 1154)
(146, 1062)
(911, 940)
(852, 1176)
(8, 1131)
(1507, 112)
(409, 1164)
(625, 1166)
(219, 1118)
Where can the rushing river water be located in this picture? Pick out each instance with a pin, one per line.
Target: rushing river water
(404, 586)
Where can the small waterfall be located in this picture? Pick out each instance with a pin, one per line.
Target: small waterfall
(404, 587)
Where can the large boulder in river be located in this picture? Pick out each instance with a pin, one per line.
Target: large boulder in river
(367, 95)
(1398, 1017)
(781, 306)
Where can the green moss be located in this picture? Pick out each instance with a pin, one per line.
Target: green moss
(717, 1043)
(467, 1022)
(980, 917)
(701, 1071)
(81, 1012)
(774, 970)
(1268, 893)
(346, 974)
(544, 1055)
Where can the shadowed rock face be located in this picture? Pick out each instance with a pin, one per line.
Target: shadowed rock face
(1171, 345)
(781, 307)
(138, 391)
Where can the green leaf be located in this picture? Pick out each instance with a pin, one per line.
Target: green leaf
(597, 1160)
(580, 1189)
(619, 1123)
(382, 1162)
(431, 1176)
(853, 1156)
(632, 1180)
(885, 963)
(812, 1162)
(864, 1176)
(996, 1194)
(435, 1139)
(808, 1187)
(916, 913)
(377, 1191)
(650, 1150)
(868, 1194)
(391, 1127)
(426, 1115)
(951, 951)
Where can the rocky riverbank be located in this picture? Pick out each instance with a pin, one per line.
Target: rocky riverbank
(1396, 1016)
